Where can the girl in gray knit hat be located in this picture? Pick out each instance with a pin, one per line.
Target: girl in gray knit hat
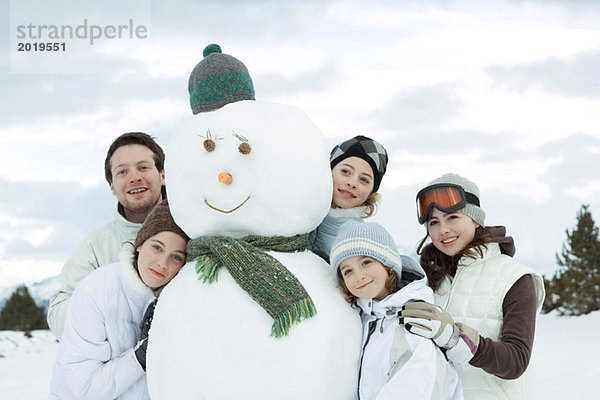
(485, 303)
(394, 363)
(102, 351)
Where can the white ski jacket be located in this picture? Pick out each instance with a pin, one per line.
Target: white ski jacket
(95, 358)
(396, 364)
(99, 248)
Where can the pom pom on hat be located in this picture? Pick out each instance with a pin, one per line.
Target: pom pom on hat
(211, 48)
(366, 148)
(365, 239)
(217, 80)
(158, 220)
(475, 212)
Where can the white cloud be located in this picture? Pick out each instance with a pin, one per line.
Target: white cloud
(72, 147)
(586, 191)
(536, 117)
(27, 270)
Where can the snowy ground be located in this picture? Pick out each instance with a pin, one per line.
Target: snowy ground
(565, 363)
(26, 364)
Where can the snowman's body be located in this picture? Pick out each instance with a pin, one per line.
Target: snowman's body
(212, 341)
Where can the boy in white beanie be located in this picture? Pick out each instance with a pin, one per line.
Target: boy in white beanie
(394, 363)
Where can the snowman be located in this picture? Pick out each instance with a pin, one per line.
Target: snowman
(253, 314)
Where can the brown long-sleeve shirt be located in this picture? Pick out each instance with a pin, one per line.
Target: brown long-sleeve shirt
(509, 357)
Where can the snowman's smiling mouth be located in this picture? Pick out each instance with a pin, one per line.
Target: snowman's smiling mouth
(225, 211)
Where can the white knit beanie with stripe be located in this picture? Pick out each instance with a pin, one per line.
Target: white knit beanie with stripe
(365, 239)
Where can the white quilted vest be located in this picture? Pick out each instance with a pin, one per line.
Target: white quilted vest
(475, 298)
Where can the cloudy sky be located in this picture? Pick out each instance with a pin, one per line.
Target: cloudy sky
(505, 93)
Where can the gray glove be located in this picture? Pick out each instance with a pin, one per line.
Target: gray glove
(431, 322)
(460, 341)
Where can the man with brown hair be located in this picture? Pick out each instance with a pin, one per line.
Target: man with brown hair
(134, 169)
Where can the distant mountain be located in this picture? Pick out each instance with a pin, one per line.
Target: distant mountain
(40, 291)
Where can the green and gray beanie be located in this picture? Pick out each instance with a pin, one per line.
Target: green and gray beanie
(367, 149)
(357, 238)
(475, 212)
(217, 80)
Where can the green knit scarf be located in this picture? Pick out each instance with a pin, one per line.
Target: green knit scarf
(264, 278)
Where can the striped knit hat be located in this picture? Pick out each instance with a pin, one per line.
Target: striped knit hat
(217, 80)
(367, 149)
(365, 239)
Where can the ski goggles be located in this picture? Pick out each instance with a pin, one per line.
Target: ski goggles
(446, 197)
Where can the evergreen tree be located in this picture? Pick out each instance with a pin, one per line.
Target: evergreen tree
(575, 288)
(20, 313)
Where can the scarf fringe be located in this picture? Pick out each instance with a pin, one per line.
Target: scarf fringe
(262, 276)
(207, 269)
(302, 309)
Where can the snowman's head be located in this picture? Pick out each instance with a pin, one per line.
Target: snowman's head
(249, 167)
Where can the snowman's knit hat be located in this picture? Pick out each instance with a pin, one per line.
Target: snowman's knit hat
(217, 80)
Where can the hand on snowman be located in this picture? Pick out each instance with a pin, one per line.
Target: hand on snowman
(430, 321)
(142, 346)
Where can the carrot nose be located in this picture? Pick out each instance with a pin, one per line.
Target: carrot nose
(225, 178)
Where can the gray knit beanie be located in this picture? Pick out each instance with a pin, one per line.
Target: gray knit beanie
(475, 212)
(365, 239)
(217, 80)
(366, 148)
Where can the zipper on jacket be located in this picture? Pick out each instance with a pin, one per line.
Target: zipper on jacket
(372, 326)
(451, 291)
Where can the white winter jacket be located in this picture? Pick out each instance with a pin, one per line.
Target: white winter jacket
(99, 248)
(396, 364)
(95, 358)
(475, 298)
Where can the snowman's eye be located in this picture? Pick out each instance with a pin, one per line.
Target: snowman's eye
(209, 140)
(209, 145)
(244, 148)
